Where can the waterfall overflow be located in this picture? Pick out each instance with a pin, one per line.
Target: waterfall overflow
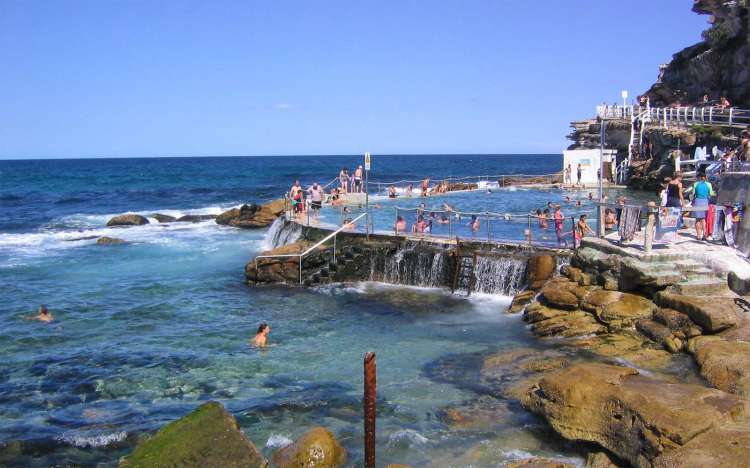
(500, 269)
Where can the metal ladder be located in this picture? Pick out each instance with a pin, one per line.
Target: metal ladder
(464, 269)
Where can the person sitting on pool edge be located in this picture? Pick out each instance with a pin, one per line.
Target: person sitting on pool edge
(261, 336)
(43, 315)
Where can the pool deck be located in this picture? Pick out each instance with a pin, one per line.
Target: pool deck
(721, 258)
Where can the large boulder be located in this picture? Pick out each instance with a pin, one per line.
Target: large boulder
(616, 309)
(724, 363)
(638, 418)
(162, 218)
(252, 216)
(128, 220)
(539, 269)
(520, 301)
(209, 436)
(712, 313)
(317, 448)
(276, 269)
(560, 294)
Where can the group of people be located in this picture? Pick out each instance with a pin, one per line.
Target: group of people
(568, 175)
(353, 183)
(425, 220)
(310, 199)
(553, 212)
(701, 197)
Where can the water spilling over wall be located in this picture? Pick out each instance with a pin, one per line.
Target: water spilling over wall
(416, 264)
(281, 233)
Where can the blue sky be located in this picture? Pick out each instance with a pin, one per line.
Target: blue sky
(169, 78)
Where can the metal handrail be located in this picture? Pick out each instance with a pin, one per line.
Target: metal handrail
(318, 244)
(687, 115)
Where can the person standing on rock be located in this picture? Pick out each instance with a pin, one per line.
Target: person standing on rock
(261, 336)
(358, 180)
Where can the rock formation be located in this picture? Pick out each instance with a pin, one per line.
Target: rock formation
(209, 436)
(194, 218)
(718, 66)
(252, 216)
(162, 218)
(128, 220)
(110, 241)
(317, 448)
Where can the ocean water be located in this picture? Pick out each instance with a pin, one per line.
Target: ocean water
(146, 331)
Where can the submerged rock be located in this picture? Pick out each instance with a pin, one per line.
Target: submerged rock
(128, 220)
(194, 218)
(162, 218)
(110, 241)
(640, 419)
(252, 216)
(520, 301)
(209, 436)
(317, 448)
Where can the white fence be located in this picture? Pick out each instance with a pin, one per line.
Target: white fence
(666, 116)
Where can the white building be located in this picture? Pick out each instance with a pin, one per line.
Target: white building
(589, 161)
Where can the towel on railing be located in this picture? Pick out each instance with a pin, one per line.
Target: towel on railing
(667, 222)
(630, 222)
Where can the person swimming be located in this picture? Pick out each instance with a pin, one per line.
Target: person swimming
(43, 315)
(261, 336)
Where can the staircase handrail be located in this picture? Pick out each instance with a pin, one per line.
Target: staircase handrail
(306, 252)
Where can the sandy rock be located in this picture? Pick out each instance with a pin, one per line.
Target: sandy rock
(600, 460)
(627, 346)
(560, 294)
(110, 241)
(653, 329)
(616, 309)
(724, 363)
(485, 413)
(538, 463)
(209, 436)
(128, 220)
(570, 324)
(539, 269)
(162, 218)
(638, 418)
(520, 301)
(317, 448)
(536, 312)
(713, 314)
(724, 447)
(676, 321)
(252, 216)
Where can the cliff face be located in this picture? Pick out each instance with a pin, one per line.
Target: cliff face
(717, 66)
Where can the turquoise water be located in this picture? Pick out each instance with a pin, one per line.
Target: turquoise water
(146, 331)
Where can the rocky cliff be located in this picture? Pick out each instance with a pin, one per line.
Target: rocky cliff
(718, 66)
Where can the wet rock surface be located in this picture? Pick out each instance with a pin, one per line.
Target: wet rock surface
(209, 436)
(724, 363)
(252, 216)
(317, 448)
(640, 419)
(162, 218)
(110, 241)
(713, 314)
(128, 220)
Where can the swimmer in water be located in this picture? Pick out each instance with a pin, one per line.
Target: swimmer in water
(261, 336)
(43, 315)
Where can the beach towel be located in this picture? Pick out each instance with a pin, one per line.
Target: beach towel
(667, 222)
(630, 222)
(710, 215)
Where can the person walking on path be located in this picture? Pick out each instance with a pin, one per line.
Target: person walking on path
(675, 198)
(702, 191)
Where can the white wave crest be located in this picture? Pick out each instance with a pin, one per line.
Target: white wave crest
(86, 439)
(406, 437)
(278, 441)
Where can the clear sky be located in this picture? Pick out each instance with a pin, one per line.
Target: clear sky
(170, 78)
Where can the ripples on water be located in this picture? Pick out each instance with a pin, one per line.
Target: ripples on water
(145, 332)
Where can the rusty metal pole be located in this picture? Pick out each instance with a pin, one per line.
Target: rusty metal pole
(369, 403)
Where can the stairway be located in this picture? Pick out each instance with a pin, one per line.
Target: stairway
(345, 258)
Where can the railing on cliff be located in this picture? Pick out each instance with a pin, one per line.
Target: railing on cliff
(679, 116)
(302, 255)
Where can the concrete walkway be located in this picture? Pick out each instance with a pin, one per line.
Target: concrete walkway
(721, 258)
